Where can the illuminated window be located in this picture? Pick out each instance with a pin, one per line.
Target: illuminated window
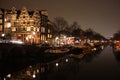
(13, 28)
(48, 35)
(37, 29)
(0, 20)
(48, 30)
(43, 38)
(28, 29)
(42, 29)
(34, 29)
(28, 22)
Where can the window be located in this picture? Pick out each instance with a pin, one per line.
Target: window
(0, 21)
(24, 22)
(28, 22)
(37, 29)
(42, 29)
(48, 35)
(48, 30)
(34, 29)
(42, 37)
(13, 28)
(24, 29)
(28, 28)
(0, 16)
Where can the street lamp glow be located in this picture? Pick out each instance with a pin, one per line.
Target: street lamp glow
(56, 38)
(57, 64)
(3, 34)
(9, 75)
(33, 75)
(66, 60)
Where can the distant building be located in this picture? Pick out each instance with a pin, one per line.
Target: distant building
(26, 25)
(1, 21)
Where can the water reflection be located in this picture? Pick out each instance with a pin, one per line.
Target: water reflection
(68, 67)
(117, 56)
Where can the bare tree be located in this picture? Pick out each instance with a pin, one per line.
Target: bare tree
(75, 29)
(116, 36)
(60, 25)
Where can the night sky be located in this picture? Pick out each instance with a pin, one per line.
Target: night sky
(103, 16)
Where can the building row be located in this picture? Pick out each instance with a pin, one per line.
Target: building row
(29, 26)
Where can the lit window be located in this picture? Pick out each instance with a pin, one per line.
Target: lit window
(34, 29)
(37, 29)
(28, 29)
(43, 37)
(13, 28)
(42, 29)
(48, 30)
(48, 35)
(0, 20)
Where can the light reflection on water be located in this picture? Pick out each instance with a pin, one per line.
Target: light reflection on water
(68, 67)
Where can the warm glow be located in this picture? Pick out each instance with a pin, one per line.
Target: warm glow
(8, 25)
(5, 19)
(3, 35)
(66, 60)
(57, 64)
(33, 33)
(28, 29)
(13, 29)
(33, 75)
(9, 75)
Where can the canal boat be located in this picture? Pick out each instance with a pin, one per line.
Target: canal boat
(57, 50)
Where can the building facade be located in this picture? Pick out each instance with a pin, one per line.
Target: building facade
(1, 22)
(26, 25)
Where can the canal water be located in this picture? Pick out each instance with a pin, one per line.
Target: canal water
(99, 65)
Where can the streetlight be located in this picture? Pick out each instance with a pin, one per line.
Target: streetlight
(3, 35)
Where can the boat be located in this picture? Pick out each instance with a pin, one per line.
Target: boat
(57, 50)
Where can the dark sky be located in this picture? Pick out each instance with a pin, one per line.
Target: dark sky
(103, 16)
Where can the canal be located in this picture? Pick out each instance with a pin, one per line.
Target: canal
(99, 65)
